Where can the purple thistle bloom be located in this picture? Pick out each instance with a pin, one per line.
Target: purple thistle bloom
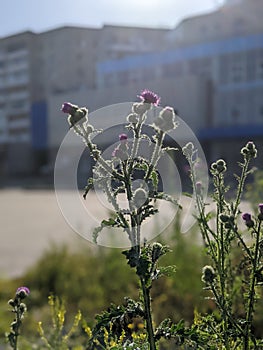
(148, 96)
(123, 137)
(68, 108)
(247, 218)
(22, 292)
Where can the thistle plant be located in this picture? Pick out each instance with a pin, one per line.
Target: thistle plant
(233, 282)
(121, 170)
(19, 309)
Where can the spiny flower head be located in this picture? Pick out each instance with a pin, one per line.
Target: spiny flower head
(75, 113)
(123, 137)
(69, 108)
(22, 292)
(148, 96)
(247, 218)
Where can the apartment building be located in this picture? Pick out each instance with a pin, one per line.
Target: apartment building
(209, 67)
(212, 73)
(16, 86)
(34, 67)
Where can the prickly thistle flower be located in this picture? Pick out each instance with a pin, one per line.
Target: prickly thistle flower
(260, 215)
(22, 292)
(75, 113)
(69, 108)
(123, 137)
(248, 221)
(148, 96)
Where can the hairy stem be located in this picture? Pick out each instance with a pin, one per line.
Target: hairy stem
(148, 315)
(252, 285)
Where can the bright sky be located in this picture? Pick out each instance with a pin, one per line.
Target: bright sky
(20, 15)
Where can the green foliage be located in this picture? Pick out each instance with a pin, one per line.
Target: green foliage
(233, 282)
(57, 337)
(81, 278)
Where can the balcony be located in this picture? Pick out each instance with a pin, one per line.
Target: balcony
(17, 54)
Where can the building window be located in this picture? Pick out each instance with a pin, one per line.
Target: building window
(251, 65)
(237, 70)
(259, 64)
(224, 69)
(18, 131)
(16, 117)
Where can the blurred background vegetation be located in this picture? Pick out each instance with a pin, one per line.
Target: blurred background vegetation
(92, 277)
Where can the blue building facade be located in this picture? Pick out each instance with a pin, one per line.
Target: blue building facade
(231, 69)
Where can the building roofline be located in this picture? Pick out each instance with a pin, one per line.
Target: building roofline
(24, 32)
(68, 26)
(200, 16)
(112, 25)
(75, 27)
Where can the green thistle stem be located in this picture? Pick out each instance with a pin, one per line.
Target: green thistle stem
(148, 315)
(252, 285)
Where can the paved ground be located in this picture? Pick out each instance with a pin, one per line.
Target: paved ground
(30, 221)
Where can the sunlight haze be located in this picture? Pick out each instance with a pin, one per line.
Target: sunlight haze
(41, 16)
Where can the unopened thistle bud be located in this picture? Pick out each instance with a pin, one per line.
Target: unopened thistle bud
(224, 218)
(208, 274)
(132, 118)
(166, 119)
(157, 251)
(218, 167)
(188, 150)
(140, 197)
(249, 151)
(140, 107)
